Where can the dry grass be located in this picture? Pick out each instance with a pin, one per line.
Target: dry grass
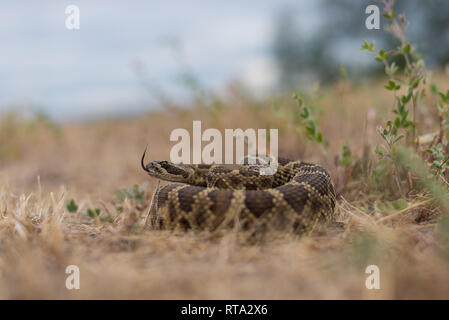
(121, 258)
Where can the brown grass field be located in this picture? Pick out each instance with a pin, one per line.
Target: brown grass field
(44, 166)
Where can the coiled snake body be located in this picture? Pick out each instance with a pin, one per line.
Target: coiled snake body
(299, 195)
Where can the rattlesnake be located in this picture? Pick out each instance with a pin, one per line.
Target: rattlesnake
(298, 196)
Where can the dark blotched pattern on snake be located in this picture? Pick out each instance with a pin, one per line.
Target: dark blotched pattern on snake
(298, 196)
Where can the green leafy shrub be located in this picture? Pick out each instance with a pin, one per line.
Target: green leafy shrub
(407, 80)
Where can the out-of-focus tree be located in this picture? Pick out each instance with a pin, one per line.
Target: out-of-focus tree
(342, 31)
(299, 57)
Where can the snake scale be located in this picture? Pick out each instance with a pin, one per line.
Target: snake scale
(299, 196)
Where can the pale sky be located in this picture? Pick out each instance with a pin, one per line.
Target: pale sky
(89, 72)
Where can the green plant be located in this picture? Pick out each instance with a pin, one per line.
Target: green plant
(411, 161)
(387, 207)
(93, 213)
(438, 160)
(443, 235)
(303, 120)
(97, 214)
(136, 194)
(407, 78)
(346, 156)
(443, 112)
(72, 206)
(411, 79)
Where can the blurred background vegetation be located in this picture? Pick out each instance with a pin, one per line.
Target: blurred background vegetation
(301, 55)
(126, 60)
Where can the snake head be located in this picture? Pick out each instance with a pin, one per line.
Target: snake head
(166, 170)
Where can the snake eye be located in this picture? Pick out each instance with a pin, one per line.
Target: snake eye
(165, 165)
(176, 170)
